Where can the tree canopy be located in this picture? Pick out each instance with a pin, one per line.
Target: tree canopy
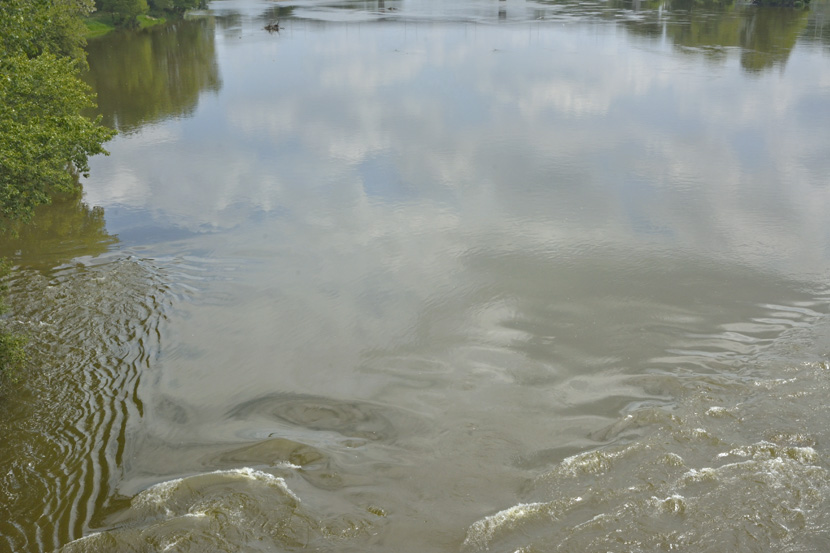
(45, 141)
(44, 138)
(176, 6)
(125, 12)
(32, 27)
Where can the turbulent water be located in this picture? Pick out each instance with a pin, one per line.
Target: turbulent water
(435, 276)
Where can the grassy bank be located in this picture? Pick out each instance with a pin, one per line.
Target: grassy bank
(98, 25)
(145, 21)
(102, 23)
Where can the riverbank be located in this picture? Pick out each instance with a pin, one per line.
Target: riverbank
(100, 24)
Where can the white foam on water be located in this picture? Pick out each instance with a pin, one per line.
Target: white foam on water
(170, 546)
(197, 505)
(671, 459)
(159, 494)
(481, 532)
(674, 504)
(718, 411)
(287, 465)
(768, 450)
(706, 474)
(591, 462)
(268, 478)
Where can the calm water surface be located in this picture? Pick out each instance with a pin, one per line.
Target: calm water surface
(420, 275)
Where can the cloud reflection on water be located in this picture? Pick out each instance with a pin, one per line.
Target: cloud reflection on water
(518, 233)
(552, 131)
(416, 182)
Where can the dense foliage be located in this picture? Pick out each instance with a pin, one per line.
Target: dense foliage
(179, 6)
(125, 13)
(32, 27)
(44, 140)
(43, 136)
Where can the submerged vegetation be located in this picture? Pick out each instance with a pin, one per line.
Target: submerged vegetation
(45, 141)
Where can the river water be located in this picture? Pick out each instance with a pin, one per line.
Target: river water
(421, 275)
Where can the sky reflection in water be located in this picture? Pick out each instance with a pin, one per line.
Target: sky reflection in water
(542, 133)
(446, 245)
(534, 201)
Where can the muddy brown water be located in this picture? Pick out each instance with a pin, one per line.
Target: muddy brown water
(435, 276)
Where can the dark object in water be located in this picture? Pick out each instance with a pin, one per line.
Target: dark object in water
(273, 27)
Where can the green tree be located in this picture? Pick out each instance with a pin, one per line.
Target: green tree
(44, 139)
(176, 6)
(124, 12)
(43, 136)
(33, 27)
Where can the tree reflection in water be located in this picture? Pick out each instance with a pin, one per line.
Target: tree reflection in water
(60, 231)
(157, 74)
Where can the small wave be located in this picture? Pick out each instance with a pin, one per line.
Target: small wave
(239, 509)
(738, 467)
(93, 327)
(482, 532)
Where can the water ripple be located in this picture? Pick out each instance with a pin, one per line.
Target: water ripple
(93, 330)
